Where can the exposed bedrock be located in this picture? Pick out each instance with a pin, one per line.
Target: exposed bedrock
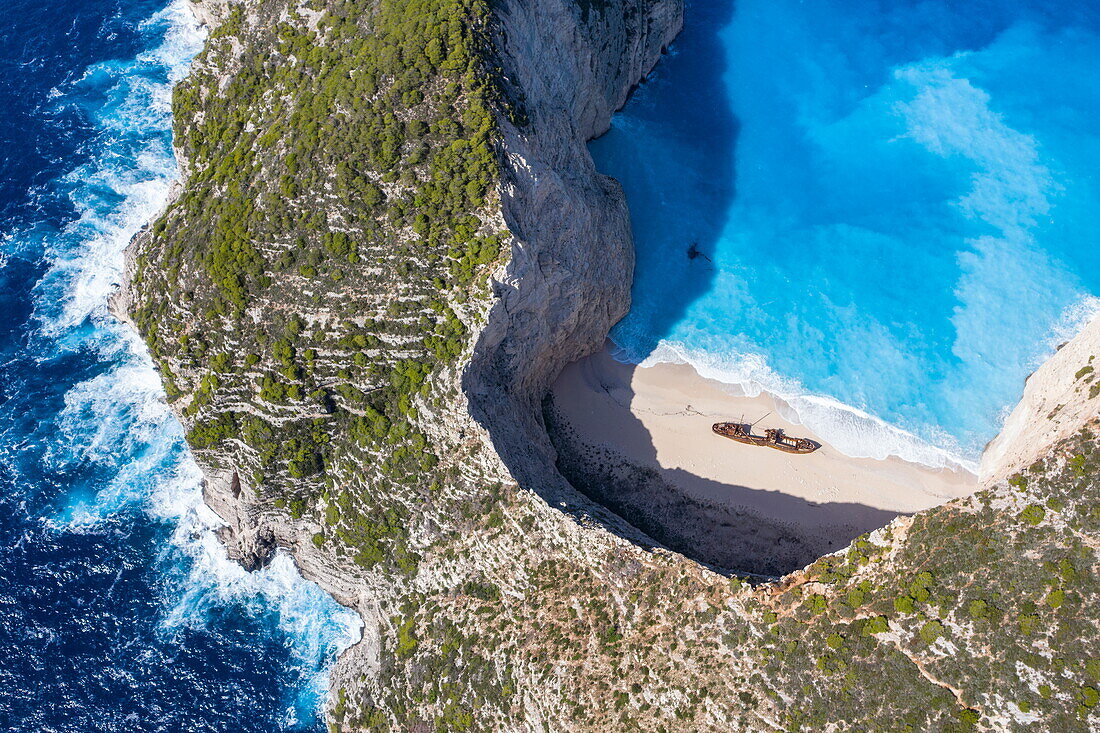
(1058, 398)
(570, 274)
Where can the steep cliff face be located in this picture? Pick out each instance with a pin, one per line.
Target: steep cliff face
(572, 261)
(1058, 398)
(362, 386)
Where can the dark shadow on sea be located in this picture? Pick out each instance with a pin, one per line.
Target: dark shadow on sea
(686, 99)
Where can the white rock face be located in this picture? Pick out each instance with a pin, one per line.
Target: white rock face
(569, 277)
(567, 283)
(570, 274)
(1055, 405)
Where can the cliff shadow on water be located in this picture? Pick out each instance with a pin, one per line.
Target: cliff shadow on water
(680, 194)
(673, 148)
(570, 271)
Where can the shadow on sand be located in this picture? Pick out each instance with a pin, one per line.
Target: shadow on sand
(725, 535)
(685, 216)
(680, 219)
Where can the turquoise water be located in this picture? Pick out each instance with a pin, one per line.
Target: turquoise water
(894, 205)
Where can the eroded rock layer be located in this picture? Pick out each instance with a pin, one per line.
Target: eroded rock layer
(388, 240)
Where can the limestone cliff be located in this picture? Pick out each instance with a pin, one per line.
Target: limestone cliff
(1058, 398)
(389, 239)
(572, 261)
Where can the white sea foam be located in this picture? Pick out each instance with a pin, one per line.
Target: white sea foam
(120, 420)
(118, 423)
(894, 297)
(850, 430)
(318, 627)
(1073, 319)
(127, 185)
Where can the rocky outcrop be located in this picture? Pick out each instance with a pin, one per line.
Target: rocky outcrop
(569, 66)
(512, 616)
(212, 12)
(568, 280)
(1060, 397)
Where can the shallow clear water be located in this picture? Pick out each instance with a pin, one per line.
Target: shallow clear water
(894, 205)
(118, 609)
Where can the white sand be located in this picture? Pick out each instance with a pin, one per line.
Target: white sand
(660, 417)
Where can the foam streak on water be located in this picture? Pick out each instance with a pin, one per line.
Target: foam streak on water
(896, 204)
(88, 442)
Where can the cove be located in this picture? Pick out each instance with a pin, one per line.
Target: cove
(892, 206)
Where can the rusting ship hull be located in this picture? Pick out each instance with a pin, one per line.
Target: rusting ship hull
(771, 439)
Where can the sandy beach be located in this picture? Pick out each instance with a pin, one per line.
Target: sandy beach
(641, 435)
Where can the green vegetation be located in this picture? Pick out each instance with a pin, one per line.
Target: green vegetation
(307, 300)
(1033, 514)
(876, 625)
(931, 631)
(300, 296)
(1001, 588)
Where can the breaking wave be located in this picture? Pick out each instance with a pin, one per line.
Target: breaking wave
(881, 213)
(90, 448)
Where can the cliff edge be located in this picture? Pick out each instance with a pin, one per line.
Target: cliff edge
(389, 239)
(1060, 397)
(572, 259)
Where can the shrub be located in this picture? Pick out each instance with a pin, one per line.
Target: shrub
(406, 640)
(1029, 622)
(876, 625)
(978, 609)
(482, 590)
(968, 717)
(931, 631)
(1033, 514)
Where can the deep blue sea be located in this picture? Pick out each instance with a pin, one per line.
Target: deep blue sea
(894, 201)
(118, 609)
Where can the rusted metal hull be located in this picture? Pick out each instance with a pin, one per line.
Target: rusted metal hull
(771, 439)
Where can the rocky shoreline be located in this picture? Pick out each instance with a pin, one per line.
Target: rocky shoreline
(549, 573)
(555, 302)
